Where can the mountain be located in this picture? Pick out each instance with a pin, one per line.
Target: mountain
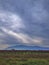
(25, 47)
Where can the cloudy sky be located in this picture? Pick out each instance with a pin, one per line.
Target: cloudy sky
(24, 22)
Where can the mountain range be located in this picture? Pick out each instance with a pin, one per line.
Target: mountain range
(25, 47)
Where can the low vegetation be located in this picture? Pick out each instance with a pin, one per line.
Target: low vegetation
(14, 57)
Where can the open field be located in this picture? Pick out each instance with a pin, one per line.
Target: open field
(17, 57)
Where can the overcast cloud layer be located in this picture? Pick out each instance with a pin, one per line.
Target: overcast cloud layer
(24, 22)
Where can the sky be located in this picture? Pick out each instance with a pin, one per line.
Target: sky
(24, 22)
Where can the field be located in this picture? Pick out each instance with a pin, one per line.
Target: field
(17, 57)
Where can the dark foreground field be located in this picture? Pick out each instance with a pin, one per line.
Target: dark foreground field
(14, 57)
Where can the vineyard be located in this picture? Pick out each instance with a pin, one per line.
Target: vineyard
(17, 57)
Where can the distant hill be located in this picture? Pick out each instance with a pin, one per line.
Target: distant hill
(24, 47)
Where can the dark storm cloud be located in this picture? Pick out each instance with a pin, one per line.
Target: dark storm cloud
(32, 18)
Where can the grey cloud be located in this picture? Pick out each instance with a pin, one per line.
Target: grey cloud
(34, 15)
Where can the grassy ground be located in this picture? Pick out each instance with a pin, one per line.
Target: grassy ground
(24, 58)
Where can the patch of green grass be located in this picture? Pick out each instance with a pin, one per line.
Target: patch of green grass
(14, 61)
(7, 58)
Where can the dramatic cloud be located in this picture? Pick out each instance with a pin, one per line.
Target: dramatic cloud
(24, 22)
(23, 38)
(11, 20)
